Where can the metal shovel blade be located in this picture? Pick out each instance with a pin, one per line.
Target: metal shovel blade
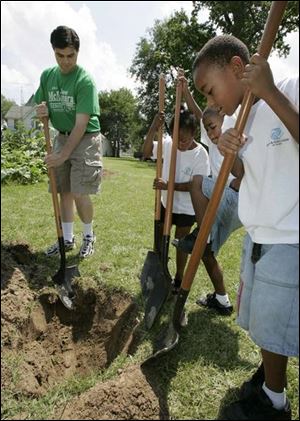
(155, 287)
(63, 282)
(168, 341)
(169, 337)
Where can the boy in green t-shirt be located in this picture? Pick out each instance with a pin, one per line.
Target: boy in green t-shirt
(67, 95)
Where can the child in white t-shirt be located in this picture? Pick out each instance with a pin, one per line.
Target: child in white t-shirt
(268, 163)
(191, 159)
(227, 219)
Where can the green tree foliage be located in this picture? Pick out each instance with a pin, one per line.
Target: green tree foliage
(22, 156)
(175, 41)
(246, 21)
(170, 44)
(119, 119)
(5, 105)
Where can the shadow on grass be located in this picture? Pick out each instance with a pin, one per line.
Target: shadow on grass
(206, 337)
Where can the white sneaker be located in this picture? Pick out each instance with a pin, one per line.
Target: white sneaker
(87, 247)
(54, 249)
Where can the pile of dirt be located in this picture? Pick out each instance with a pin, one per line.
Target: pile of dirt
(43, 343)
(129, 397)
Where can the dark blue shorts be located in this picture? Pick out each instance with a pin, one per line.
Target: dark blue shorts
(178, 219)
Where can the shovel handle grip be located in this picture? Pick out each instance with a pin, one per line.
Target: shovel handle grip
(269, 34)
(52, 180)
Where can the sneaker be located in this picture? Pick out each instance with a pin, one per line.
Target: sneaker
(54, 249)
(211, 301)
(186, 243)
(258, 406)
(254, 383)
(87, 247)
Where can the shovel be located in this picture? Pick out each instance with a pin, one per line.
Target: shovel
(161, 288)
(63, 278)
(169, 339)
(154, 285)
(171, 185)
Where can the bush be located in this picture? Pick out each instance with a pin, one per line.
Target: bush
(22, 156)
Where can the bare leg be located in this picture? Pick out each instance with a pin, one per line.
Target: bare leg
(199, 201)
(275, 366)
(214, 272)
(181, 257)
(84, 207)
(67, 207)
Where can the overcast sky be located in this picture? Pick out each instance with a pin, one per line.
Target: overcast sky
(108, 32)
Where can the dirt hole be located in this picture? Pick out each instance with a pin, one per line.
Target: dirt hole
(43, 343)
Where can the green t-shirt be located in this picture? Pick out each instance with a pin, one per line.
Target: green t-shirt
(67, 95)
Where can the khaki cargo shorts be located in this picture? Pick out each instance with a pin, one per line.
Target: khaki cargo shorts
(81, 173)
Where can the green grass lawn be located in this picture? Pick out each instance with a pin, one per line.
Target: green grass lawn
(213, 356)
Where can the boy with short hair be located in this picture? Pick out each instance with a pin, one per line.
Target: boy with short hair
(227, 219)
(268, 163)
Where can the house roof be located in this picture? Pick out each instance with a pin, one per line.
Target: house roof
(31, 101)
(17, 112)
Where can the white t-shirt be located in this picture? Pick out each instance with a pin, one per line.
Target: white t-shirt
(269, 191)
(215, 157)
(188, 163)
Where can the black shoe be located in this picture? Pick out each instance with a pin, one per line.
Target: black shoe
(210, 301)
(258, 406)
(186, 243)
(253, 384)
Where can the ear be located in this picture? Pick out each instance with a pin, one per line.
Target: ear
(237, 66)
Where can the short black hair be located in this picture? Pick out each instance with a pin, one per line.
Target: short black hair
(63, 37)
(220, 50)
(187, 120)
(210, 111)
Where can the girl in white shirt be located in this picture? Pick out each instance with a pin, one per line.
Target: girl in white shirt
(192, 159)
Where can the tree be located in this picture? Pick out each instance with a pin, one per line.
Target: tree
(118, 118)
(246, 21)
(5, 105)
(175, 41)
(170, 44)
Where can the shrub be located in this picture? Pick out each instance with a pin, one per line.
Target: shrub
(22, 156)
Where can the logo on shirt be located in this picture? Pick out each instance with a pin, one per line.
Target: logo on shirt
(187, 171)
(276, 137)
(61, 101)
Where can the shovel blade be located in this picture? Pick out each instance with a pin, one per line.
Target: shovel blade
(166, 343)
(155, 287)
(63, 282)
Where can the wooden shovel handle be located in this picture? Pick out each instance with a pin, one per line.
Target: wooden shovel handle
(159, 147)
(270, 31)
(52, 179)
(172, 171)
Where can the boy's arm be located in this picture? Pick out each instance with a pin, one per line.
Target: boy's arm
(259, 79)
(285, 110)
(160, 184)
(191, 103)
(183, 186)
(148, 144)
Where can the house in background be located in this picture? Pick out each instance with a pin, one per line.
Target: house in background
(24, 113)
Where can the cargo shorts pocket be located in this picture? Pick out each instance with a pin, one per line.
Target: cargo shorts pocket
(92, 172)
